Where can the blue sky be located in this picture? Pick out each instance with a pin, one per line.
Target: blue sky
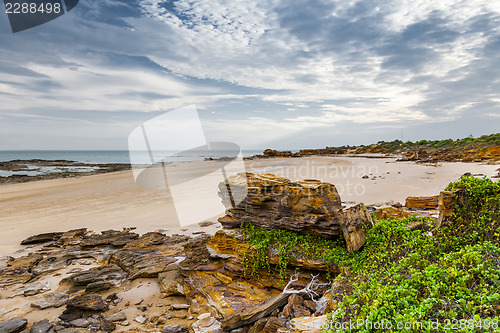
(282, 74)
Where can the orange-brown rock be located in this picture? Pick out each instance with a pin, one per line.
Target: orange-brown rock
(385, 212)
(214, 278)
(447, 202)
(309, 207)
(422, 202)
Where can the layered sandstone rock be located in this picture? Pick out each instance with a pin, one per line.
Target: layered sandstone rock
(387, 212)
(447, 202)
(309, 207)
(422, 202)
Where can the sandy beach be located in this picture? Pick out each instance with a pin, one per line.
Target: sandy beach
(114, 200)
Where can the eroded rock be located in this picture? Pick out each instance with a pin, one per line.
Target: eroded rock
(54, 300)
(422, 202)
(14, 325)
(42, 326)
(109, 237)
(94, 278)
(87, 302)
(309, 207)
(42, 238)
(149, 255)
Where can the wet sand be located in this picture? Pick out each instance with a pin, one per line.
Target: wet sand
(114, 200)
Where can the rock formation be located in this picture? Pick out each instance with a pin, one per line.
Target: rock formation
(309, 207)
(422, 202)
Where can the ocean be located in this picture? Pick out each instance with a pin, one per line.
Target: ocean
(114, 156)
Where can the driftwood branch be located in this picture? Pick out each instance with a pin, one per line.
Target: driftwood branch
(254, 313)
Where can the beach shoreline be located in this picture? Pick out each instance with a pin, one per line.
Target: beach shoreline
(114, 201)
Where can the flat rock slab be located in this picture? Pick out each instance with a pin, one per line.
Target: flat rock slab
(14, 325)
(87, 302)
(42, 238)
(42, 326)
(50, 301)
(149, 255)
(89, 278)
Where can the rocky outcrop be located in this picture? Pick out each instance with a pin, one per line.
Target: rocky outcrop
(447, 201)
(14, 325)
(54, 300)
(149, 255)
(254, 313)
(356, 220)
(18, 270)
(310, 207)
(387, 212)
(87, 302)
(108, 274)
(418, 155)
(422, 202)
(109, 237)
(42, 238)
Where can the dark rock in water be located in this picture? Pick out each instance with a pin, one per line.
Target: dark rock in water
(14, 325)
(50, 301)
(87, 302)
(109, 237)
(42, 327)
(97, 277)
(42, 238)
(309, 207)
(175, 329)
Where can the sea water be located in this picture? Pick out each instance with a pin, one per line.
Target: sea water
(114, 156)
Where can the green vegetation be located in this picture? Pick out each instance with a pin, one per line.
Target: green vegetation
(398, 146)
(444, 280)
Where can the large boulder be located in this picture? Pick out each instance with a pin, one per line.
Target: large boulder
(309, 207)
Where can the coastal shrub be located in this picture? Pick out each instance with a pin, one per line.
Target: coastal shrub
(405, 280)
(425, 282)
(478, 218)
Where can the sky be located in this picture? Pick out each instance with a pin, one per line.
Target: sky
(283, 74)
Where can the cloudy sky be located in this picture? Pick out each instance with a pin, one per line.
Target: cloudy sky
(282, 74)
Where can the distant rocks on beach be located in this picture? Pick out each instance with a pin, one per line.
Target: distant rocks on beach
(21, 171)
